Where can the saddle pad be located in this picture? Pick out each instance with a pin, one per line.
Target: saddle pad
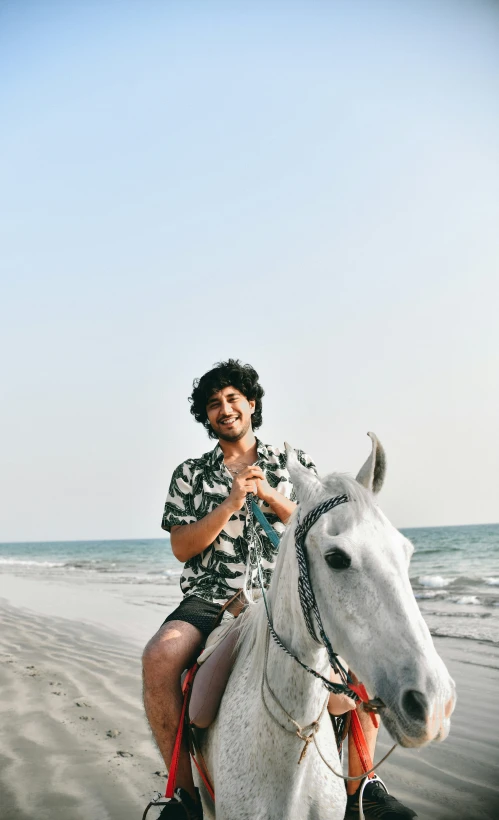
(218, 634)
(215, 637)
(212, 676)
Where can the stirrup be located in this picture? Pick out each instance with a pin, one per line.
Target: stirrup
(361, 793)
(159, 800)
(183, 812)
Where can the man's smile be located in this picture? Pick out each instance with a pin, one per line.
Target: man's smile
(229, 421)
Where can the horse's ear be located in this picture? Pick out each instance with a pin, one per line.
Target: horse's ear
(372, 474)
(304, 481)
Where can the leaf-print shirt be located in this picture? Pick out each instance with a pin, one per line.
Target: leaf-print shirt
(201, 484)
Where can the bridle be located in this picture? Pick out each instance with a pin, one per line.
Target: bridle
(308, 600)
(309, 607)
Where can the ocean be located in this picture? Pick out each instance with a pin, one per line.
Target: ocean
(454, 573)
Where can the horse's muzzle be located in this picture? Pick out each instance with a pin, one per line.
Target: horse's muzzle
(415, 721)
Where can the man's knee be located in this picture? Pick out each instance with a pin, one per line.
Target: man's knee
(170, 651)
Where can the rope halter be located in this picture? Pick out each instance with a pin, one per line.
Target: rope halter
(307, 598)
(309, 603)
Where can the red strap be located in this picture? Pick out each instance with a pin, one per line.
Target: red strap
(204, 778)
(172, 774)
(357, 731)
(360, 742)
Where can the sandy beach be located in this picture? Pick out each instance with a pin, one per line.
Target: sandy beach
(75, 744)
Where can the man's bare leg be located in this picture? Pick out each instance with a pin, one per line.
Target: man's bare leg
(172, 649)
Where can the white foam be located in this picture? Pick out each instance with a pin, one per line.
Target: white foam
(434, 581)
(492, 582)
(16, 562)
(467, 599)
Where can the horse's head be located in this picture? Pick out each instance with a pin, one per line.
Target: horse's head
(358, 565)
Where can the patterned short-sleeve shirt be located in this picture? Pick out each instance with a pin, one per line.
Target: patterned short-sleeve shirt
(197, 487)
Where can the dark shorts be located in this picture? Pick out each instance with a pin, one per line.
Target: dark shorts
(198, 612)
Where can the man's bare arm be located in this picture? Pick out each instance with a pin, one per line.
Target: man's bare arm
(191, 539)
(281, 506)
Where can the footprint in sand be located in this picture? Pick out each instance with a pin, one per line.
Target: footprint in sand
(113, 733)
(124, 754)
(82, 703)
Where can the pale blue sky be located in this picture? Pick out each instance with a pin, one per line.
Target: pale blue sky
(309, 186)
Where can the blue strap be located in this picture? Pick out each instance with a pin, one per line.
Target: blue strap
(269, 530)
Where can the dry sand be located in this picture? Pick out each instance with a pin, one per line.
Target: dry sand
(66, 685)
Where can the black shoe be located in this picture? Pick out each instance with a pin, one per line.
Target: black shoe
(376, 803)
(181, 807)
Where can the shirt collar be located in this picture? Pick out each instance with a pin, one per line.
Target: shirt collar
(263, 453)
(216, 455)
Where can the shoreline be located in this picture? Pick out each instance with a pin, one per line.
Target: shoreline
(66, 682)
(119, 608)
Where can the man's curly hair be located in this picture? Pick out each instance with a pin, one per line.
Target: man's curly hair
(231, 373)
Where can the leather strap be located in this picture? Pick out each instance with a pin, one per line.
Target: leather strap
(172, 774)
(201, 764)
(357, 731)
(234, 605)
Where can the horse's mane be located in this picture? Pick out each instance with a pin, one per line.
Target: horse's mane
(253, 628)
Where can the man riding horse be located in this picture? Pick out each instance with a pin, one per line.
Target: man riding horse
(207, 518)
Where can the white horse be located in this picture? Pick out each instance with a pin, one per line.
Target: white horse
(358, 566)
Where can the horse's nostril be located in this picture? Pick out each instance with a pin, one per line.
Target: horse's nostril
(415, 705)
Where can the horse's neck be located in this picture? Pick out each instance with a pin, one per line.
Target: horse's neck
(299, 692)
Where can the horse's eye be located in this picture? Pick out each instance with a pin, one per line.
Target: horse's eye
(337, 559)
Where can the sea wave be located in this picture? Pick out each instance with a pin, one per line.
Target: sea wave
(466, 599)
(427, 594)
(420, 551)
(439, 614)
(480, 634)
(491, 582)
(434, 581)
(91, 569)
(13, 562)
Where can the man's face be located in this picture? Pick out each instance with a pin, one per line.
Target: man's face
(229, 413)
